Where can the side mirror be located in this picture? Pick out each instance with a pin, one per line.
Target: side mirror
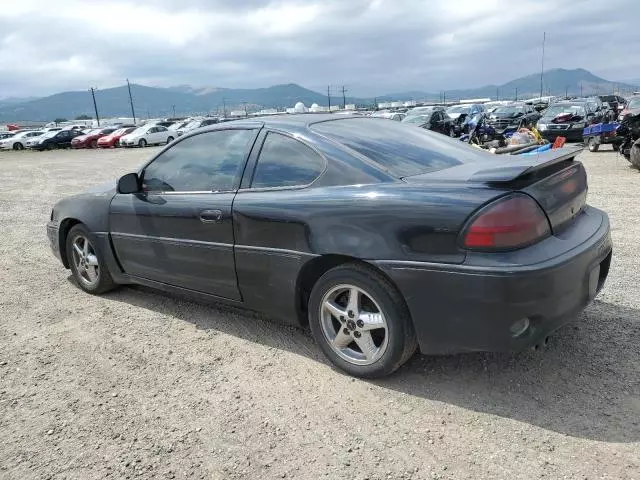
(129, 183)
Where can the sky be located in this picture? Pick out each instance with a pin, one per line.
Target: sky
(373, 47)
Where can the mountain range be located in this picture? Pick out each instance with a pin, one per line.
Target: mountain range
(184, 99)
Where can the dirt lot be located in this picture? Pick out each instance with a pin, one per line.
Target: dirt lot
(138, 385)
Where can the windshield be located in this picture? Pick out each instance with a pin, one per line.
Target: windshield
(555, 110)
(49, 134)
(95, 131)
(510, 109)
(192, 125)
(417, 119)
(634, 103)
(459, 109)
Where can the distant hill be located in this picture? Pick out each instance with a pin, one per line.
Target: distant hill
(557, 81)
(160, 102)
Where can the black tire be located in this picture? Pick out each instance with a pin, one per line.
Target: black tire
(452, 132)
(142, 143)
(401, 341)
(169, 140)
(593, 144)
(104, 281)
(93, 144)
(18, 146)
(615, 147)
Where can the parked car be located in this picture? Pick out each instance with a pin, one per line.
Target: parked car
(602, 111)
(19, 140)
(90, 138)
(388, 115)
(565, 119)
(199, 123)
(147, 135)
(380, 236)
(512, 116)
(113, 139)
(615, 102)
(434, 119)
(53, 139)
(468, 109)
(632, 108)
(9, 134)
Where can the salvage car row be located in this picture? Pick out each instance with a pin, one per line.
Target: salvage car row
(78, 136)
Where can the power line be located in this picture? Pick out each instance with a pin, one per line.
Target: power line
(95, 105)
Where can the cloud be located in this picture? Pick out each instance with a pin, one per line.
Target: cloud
(372, 46)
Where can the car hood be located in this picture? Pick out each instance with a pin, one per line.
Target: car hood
(84, 138)
(496, 115)
(454, 115)
(562, 118)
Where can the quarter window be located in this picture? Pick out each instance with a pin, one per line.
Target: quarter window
(285, 162)
(211, 162)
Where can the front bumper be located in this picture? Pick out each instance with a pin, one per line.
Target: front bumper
(54, 239)
(571, 134)
(473, 306)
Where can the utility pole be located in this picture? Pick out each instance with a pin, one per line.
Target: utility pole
(173, 109)
(516, 94)
(344, 99)
(566, 92)
(580, 88)
(544, 38)
(497, 95)
(148, 115)
(375, 103)
(95, 105)
(444, 96)
(133, 112)
(329, 97)
(224, 107)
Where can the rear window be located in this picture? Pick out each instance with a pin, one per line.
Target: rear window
(403, 150)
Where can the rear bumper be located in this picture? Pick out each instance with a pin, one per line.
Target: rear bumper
(473, 306)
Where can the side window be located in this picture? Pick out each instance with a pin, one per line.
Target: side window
(161, 129)
(153, 130)
(208, 162)
(285, 162)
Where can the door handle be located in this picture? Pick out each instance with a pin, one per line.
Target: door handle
(211, 216)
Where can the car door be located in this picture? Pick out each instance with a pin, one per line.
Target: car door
(161, 134)
(179, 230)
(63, 139)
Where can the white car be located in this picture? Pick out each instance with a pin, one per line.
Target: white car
(19, 140)
(148, 135)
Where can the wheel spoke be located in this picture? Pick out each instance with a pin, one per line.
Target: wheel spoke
(354, 301)
(92, 260)
(92, 274)
(342, 339)
(85, 249)
(365, 342)
(371, 321)
(334, 309)
(77, 248)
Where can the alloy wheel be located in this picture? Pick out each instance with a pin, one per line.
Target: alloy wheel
(86, 261)
(353, 324)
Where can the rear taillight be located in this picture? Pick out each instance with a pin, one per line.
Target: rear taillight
(511, 222)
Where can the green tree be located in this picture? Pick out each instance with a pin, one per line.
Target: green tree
(60, 120)
(83, 117)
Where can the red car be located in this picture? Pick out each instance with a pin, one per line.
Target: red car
(90, 139)
(113, 139)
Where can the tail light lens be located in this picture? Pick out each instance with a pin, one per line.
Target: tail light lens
(509, 223)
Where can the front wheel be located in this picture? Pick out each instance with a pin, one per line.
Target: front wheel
(593, 144)
(87, 263)
(169, 140)
(142, 143)
(18, 146)
(360, 321)
(93, 144)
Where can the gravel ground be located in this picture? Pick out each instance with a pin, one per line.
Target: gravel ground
(135, 384)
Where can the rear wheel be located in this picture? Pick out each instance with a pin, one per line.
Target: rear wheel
(18, 146)
(142, 143)
(360, 321)
(593, 144)
(87, 263)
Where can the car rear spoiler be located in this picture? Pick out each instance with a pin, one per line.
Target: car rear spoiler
(502, 169)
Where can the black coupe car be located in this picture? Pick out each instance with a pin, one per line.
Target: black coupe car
(380, 236)
(513, 116)
(55, 139)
